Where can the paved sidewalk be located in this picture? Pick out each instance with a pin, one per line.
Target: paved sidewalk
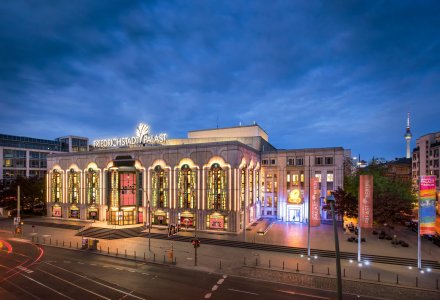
(230, 260)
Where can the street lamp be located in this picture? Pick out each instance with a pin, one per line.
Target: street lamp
(330, 199)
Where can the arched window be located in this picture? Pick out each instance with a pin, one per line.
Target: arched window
(92, 184)
(57, 186)
(257, 184)
(242, 186)
(251, 187)
(186, 187)
(160, 188)
(113, 188)
(217, 188)
(73, 186)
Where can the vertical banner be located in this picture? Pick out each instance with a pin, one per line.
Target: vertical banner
(315, 212)
(366, 201)
(427, 205)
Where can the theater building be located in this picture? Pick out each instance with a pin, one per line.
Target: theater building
(219, 179)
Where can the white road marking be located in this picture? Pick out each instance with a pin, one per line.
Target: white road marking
(81, 263)
(220, 281)
(67, 261)
(300, 294)
(97, 282)
(234, 290)
(26, 292)
(93, 264)
(214, 288)
(71, 283)
(207, 296)
(119, 269)
(125, 296)
(25, 269)
(131, 271)
(225, 276)
(48, 287)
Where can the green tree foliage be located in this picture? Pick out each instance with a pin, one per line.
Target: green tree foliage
(390, 197)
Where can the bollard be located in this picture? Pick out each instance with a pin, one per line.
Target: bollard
(220, 264)
(378, 276)
(244, 260)
(164, 259)
(297, 267)
(50, 241)
(63, 243)
(269, 263)
(117, 251)
(134, 254)
(360, 274)
(397, 278)
(100, 249)
(437, 284)
(256, 261)
(70, 244)
(144, 256)
(417, 281)
(56, 242)
(175, 260)
(125, 252)
(328, 271)
(312, 268)
(76, 245)
(108, 250)
(154, 257)
(283, 264)
(344, 272)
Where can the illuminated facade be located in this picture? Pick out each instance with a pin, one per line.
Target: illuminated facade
(220, 179)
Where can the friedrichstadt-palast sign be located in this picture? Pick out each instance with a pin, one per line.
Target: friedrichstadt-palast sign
(142, 138)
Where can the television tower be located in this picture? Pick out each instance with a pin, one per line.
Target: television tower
(408, 136)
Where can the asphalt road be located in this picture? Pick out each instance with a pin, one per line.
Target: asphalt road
(28, 271)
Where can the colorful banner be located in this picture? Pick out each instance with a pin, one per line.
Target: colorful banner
(315, 212)
(366, 201)
(427, 205)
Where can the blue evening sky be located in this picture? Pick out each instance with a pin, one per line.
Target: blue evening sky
(311, 73)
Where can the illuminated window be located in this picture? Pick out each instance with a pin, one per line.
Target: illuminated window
(186, 187)
(318, 175)
(114, 188)
(329, 176)
(160, 188)
(243, 186)
(127, 191)
(92, 184)
(57, 186)
(257, 184)
(73, 186)
(217, 188)
(295, 178)
(251, 187)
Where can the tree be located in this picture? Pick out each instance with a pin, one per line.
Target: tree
(391, 198)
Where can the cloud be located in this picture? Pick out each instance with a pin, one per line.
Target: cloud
(311, 73)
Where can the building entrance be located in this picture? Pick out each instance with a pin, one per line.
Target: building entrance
(294, 215)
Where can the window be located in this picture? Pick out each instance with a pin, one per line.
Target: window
(56, 186)
(73, 186)
(288, 177)
(264, 162)
(160, 187)
(291, 161)
(14, 158)
(273, 161)
(186, 187)
(269, 201)
(128, 188)
(92, 183)
(295, 178)
(243, 186)
(329, 160)
(318, 175)
(217, 188)
(300, 161)
(329, 176)
(251, 187)
(318, 161)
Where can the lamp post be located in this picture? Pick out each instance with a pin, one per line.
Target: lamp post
(330, 199)
(149, 226)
